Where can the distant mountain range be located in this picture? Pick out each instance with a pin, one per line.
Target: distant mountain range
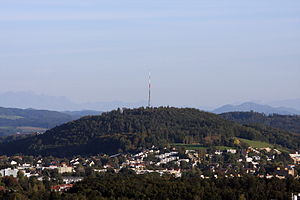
(36, 101)
(290, 103)
(249, 106)
(31, 100)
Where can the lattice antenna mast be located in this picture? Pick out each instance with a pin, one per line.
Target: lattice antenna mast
(149, 97)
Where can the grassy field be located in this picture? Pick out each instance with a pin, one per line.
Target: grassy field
(10, 117)
(260, 144)
(252, 143)
(5, 127)
(30, 128)
(223, 147)
(9, 130)
(256, 144)
(190, 146)
(198, 146)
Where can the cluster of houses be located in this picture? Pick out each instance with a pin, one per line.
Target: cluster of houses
(140, 164)
(228, 163)
(248, 161)
(295, 157)
(262, 162)
(31, 168)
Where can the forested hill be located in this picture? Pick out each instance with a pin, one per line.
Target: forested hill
(289, 123)
(132, 129)
(13, 119)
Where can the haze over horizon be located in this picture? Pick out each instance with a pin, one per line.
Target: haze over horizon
(200, 53)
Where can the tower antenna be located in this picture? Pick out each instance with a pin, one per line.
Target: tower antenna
(149, 97)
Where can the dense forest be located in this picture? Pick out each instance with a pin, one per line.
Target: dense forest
(152, 186)
(12, 118)
(131, 130)
(127, 185)
(289, 123)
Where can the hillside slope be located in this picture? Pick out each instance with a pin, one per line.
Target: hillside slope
(13, 119)
(289, 123)
(132, 129)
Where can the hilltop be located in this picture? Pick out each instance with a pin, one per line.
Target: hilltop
(130, 130)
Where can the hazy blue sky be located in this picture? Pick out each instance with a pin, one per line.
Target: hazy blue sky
(200, 53)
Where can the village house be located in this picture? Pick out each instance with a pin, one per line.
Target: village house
(65, 169)
(295, 157)
(61, 188)
(9, 172)
(232, 151)
(72, 179)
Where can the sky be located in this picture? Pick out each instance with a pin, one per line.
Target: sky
(200, 53)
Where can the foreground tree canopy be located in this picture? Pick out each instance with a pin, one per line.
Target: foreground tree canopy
(127, 185)
(190, 186)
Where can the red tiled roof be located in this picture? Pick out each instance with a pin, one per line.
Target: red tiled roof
(61, 187)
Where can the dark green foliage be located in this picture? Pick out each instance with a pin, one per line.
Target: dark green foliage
(153, 186)
(127, 185)
(289, 123)
(134, 129)
(22, 188)
(10, 138)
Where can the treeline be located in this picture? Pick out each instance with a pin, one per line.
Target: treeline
(131, 130)
(23, 188)
(289, 123)
(127, 185)
(153, 186)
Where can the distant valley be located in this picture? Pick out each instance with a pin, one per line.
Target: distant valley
(27, 121)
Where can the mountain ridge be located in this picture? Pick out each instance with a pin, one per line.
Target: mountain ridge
(24, 100)
(250, 106)
(292, 103)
